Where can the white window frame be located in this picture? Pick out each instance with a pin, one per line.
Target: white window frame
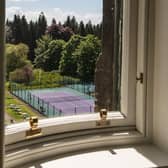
(133, 106)
(134, 48)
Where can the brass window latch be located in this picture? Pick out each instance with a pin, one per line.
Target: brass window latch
(140, 78)
(34, 129)
(103, 118)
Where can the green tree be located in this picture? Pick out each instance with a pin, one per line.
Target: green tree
(48, 53)
(74, 24)
(82, 30)
(68, 62)
(24, 30)
(16, 56)
(32, 40)
(41, 25)
(16, 30)
(89, 28)
(22, 75)
(42, 47)
(87, 53)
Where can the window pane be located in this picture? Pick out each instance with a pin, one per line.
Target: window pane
(59, 63)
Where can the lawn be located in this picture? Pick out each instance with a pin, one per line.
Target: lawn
(17, 109)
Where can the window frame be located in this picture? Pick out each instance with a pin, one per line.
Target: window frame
(132, 44)
(2, 81)
(138, 117)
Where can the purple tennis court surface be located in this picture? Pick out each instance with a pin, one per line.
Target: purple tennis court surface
(66, 101)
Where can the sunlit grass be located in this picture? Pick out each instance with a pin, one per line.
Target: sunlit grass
(16, 109)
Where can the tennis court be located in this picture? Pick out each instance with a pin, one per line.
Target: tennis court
(57, 101)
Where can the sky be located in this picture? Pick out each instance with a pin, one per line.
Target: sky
(59, 9)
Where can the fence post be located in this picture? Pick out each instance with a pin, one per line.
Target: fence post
(75, 109)
(53, 112)
(42, 101)
(38, 101)
(30, 98)
(48, 109)
(21, 93)
(90, 108)
(33, 101)
(84, 88)
(60, 112)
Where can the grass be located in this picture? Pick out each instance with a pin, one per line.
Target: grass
(23, 108)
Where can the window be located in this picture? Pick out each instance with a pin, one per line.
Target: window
(132, 31)
(112, 83)
(118, 69)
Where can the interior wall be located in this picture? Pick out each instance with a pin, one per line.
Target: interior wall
(160, 107)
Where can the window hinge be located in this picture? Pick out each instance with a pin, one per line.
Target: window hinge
(140, 78)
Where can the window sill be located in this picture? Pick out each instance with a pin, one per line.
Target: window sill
(16, 132)
(67, 134)
(38, 149)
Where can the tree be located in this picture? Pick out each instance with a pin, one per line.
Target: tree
(57, 31)
(54, 51)
(89, 28)
(68, 62)
(32, 40)
(54, 21)
(22, 75)
(42, 47)
(48, 53)
(74, 24)
(67, 22)
(16, 29)
(87, 53)
(24, 30)
(16, 56)
(82, 30)
(41, 25)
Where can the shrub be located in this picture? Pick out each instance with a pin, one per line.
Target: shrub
(22, 75)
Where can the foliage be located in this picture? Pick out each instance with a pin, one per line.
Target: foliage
(72, 23)
(48, 53)
(82, 30)
(44, 79)
(42, 47)
(87, 53)
(16, 57)
(57, 31)
(22, 75)
(19, 30)
(68, 63)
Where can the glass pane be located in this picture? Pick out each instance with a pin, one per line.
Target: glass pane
(59, 62)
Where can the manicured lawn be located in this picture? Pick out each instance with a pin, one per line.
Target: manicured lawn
(16, 109)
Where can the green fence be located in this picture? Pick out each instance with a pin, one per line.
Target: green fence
(45, 108)
(40, 105)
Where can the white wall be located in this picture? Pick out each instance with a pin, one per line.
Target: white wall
(160, 115)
